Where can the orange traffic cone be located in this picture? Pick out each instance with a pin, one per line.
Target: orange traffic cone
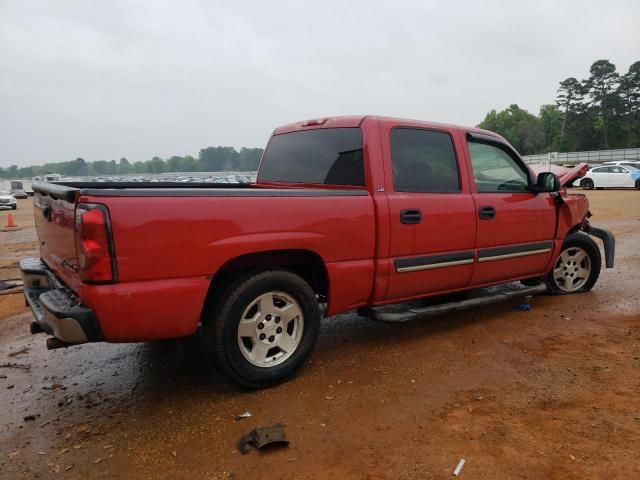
(10, 221)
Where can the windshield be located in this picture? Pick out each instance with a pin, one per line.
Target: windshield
(331, 156)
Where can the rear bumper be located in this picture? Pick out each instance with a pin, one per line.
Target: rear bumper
(55, 307)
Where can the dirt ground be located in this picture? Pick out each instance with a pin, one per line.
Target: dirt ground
(550, 393)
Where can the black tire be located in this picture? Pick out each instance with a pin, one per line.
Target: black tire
(219, 332)
(13, 207)
(572, 245)
(586, 184)
(638, 184)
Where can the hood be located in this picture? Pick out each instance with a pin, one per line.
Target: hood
(7, 197)
(566, 175)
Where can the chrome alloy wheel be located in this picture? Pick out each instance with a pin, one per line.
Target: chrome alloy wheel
(270, 329)
(572, 269)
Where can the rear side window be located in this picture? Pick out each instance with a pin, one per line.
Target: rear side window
(332, 156)
(423, 161)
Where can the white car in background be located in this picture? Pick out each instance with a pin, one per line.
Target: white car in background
(625, 163)
(611, 176)
(7, 200)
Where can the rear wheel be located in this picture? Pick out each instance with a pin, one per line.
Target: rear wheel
(586, 184)
(577, 267)
(638, 184)
(263, 329)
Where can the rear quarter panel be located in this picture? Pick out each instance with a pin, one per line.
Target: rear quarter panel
(168, 249)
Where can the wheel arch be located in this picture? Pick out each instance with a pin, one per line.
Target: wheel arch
(308, 264)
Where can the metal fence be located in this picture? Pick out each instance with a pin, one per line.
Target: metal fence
(594, 156)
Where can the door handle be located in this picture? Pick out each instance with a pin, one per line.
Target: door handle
(410, 217)
(486, 213)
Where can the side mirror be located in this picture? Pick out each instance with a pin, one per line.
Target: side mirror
(547, 182)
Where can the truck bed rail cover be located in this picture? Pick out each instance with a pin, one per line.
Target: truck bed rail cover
(68, 190)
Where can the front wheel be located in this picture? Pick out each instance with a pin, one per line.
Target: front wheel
(638, 184)
(577, 267)
(263, 329)
(586, 184)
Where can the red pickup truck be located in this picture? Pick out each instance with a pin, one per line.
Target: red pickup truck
(347, 213)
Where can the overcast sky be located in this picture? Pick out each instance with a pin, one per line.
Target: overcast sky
(106, 79)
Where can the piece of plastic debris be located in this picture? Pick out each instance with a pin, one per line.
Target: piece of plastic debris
(243, 416)
(263, 436)
(15, 365)
(458, 468)
(20, 351)
(522, 307)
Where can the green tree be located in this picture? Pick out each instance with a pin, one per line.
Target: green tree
(523, 130)
(189, 164)
(249, 158)
(552, 121)
(124, 167)
(570, 93)
(630, 96)
(174, 164)
(602, 86)
(217, 159)
(156, 165)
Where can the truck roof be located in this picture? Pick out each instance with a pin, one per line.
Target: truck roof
(356, 120)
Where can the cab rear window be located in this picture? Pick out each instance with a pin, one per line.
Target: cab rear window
(331, 156)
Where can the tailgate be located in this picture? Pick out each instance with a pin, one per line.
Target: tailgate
(54, 211)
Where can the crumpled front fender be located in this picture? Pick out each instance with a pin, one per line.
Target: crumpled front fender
(609, 242)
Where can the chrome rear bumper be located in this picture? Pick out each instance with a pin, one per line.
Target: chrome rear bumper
(55, 307)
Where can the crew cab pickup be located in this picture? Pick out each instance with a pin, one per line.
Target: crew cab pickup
(347, 213)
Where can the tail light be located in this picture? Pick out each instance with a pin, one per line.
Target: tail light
(94, 244)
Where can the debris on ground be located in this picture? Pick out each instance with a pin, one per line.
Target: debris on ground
(260, 437)
(10, 289)
(522, 307)
(21, 351)
(15, 365)
(242, 416)
(458, 468)
(6, 285)
(29, 418)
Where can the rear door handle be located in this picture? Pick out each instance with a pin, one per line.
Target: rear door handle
(486, 213)
(410, 217)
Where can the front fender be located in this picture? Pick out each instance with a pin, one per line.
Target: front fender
(609, 242)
